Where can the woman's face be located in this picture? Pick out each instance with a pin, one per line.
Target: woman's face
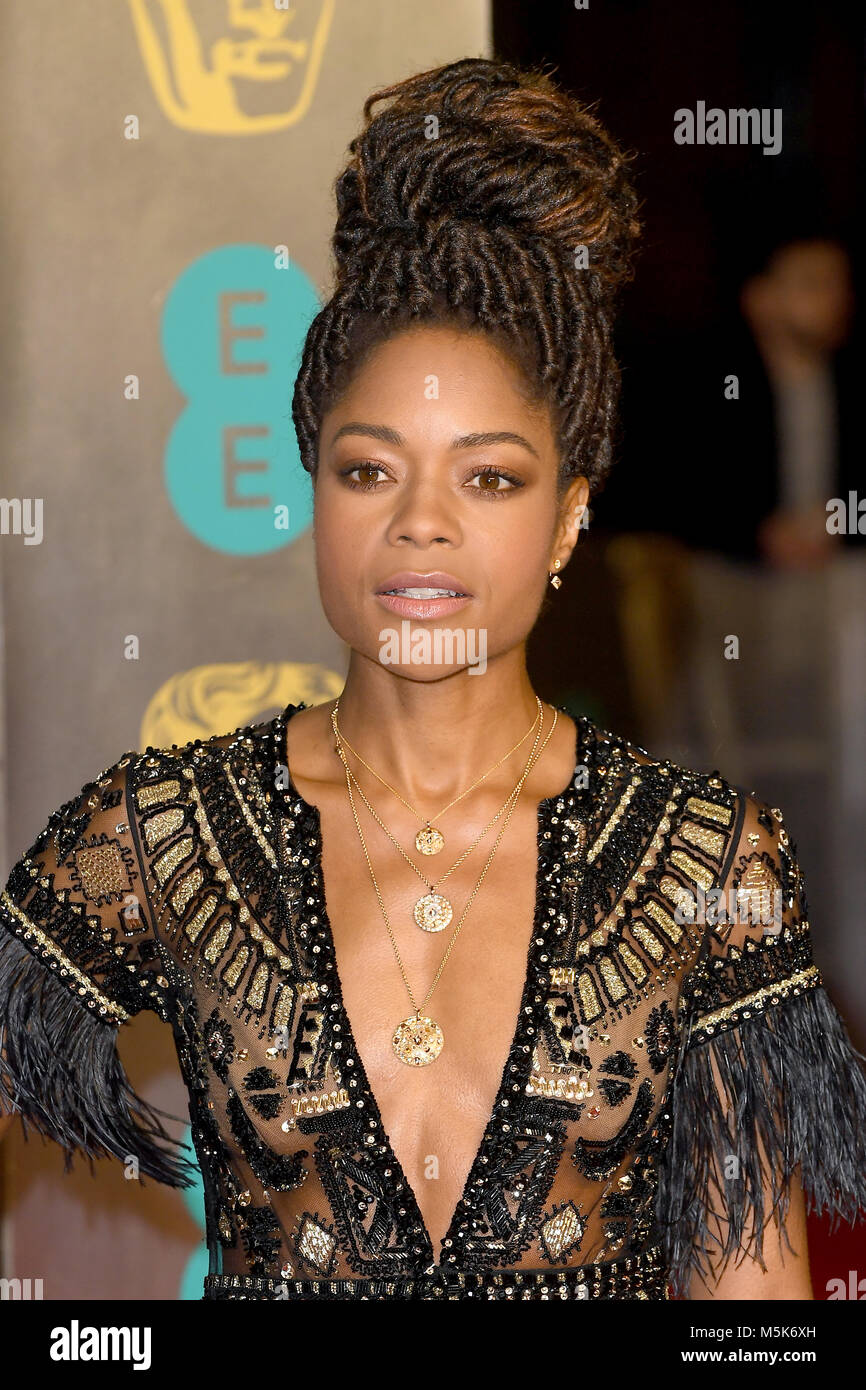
(416, 479)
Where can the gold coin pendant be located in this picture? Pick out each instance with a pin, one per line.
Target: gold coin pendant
(433, 912)
(417, 1041)
(429, 840)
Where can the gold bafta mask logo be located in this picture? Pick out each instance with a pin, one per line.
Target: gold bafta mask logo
(259, 77)
(223, 697)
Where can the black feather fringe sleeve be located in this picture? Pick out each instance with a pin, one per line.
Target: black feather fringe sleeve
(78, 958)
(767, 1080)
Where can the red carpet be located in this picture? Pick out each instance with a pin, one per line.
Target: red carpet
(834, 1257)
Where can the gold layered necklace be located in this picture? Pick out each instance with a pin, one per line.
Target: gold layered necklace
(433, 912)
(430, 839)
(418, 1040)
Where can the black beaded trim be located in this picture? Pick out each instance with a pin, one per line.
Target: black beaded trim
(728, 989)
(732, 1015)
(642, 1276)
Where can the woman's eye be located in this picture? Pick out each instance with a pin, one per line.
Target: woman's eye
(364, 469)
(489, 478)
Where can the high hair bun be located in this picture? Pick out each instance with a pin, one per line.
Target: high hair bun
(485, 143)
(481, 194)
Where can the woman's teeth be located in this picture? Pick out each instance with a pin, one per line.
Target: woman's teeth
(426, 593)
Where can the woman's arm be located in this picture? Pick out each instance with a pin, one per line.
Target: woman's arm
(768, 1099)
(79, 958)
(787, 1273)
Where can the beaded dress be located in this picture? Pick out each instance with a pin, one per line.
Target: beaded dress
(653, 1042)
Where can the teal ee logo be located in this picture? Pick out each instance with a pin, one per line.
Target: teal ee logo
(198, 1264)
(232, 334)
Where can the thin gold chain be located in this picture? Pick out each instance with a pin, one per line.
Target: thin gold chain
(417, 1008)
(436, 883)
(427, 820)
(518, 789)
(456, 865)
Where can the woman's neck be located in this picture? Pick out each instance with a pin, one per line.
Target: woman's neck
(432, 739)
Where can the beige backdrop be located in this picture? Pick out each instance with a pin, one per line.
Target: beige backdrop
(122, 625)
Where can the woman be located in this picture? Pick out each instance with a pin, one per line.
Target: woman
(453, 1015)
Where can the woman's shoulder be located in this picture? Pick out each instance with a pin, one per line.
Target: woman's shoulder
(203, 747)
(704, 806)
(617, 749)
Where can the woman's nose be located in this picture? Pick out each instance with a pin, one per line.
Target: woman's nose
(424, 513)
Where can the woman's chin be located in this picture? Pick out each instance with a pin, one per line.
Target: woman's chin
(426, 674)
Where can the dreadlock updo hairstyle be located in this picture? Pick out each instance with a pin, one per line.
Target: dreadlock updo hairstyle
(482, 197)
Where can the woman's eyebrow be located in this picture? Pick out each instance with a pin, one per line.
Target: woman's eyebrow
(463, 441)
(479, 441)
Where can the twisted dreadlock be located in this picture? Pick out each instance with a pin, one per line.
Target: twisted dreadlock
(466, 201)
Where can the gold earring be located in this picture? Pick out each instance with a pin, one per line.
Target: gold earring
(554, 578)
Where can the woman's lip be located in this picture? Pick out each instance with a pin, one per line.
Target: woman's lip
(413, 579)
(422, 607)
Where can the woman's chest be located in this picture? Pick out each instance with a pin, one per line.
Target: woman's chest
(470, 978)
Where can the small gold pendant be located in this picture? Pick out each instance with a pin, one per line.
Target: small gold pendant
(429, 840)
(417, 1041)
(433, 912)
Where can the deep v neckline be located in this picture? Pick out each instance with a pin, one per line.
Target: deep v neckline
(291, 799)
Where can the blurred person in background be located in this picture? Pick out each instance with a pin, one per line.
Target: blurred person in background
(799, 397)
(738, 436)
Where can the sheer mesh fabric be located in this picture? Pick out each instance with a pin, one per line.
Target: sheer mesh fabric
(654, 1039)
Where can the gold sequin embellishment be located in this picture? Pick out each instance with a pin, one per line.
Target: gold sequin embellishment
(101, 870)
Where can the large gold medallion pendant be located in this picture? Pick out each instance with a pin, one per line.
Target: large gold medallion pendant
(429, 840)
(433, 912)
(417, 1040)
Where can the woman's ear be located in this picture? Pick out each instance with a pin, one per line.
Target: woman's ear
(571, 513)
